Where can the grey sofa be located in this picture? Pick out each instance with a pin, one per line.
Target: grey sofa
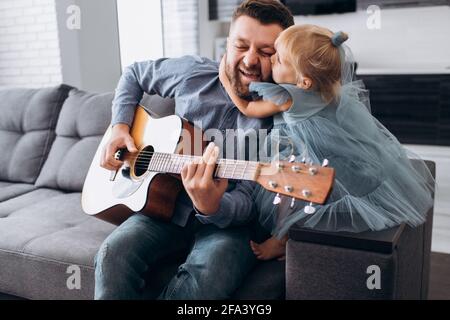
(48, 138)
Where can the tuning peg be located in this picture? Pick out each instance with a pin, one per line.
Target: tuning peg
(309, 209)
(312, 171)
(277, 199)
(325, 163)
(304, 160)
(306, 193)
(292, 158)
(292, 202)
(273, 184)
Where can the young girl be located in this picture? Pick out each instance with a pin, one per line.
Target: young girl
(325, 113)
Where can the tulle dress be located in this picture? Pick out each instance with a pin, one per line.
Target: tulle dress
(377, 185)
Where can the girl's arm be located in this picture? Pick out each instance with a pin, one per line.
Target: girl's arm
(255, 109)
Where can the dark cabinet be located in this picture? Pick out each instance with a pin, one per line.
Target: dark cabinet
(415, 108)
(385, 4)
(223, 9)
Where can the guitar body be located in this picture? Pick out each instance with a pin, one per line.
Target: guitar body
(114, 197)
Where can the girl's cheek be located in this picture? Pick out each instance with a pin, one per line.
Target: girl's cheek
(275, 73)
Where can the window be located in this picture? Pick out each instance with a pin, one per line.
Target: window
(140, 30)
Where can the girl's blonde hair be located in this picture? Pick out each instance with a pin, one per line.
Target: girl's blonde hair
(311, 52)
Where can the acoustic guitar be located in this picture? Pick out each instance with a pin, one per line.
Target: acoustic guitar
(149, 181)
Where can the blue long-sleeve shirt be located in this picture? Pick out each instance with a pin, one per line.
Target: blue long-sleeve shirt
(200, 98)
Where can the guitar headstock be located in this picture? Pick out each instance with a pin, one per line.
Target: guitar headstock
(298, 180)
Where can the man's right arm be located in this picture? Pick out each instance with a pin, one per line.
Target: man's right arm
(161, 77)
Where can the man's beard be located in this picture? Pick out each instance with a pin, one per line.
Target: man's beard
(234, 75)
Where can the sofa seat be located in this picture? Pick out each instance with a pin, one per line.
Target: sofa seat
(42, 239)
(32, 197)
(10, 190)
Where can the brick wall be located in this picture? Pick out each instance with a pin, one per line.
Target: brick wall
(29, 49)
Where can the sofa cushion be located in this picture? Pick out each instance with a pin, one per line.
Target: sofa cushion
(10, 190)
(82, 122)
(33, 197)
(40, 241)
(27, 123)
(48, 232)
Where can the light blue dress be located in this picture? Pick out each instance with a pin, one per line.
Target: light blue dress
(377, 186)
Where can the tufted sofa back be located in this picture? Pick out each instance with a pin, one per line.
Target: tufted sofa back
(27, 129)
(49, 136)
(82, 122)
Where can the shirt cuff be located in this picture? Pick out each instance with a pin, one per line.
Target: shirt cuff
(220, 218)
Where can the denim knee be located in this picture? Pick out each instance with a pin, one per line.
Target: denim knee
(194, 282)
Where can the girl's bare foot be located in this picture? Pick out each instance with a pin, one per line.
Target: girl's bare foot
(269, 249)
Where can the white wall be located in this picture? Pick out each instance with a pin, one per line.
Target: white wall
(140, 30)
(90, 56)
(29, 49)
(410, 40)
(441, 220)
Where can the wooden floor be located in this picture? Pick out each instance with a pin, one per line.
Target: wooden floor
(439, 277)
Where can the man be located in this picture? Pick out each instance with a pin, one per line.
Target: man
(211, 215)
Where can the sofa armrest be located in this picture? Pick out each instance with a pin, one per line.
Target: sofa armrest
(338, 265)
(382, 241)
(321, 265)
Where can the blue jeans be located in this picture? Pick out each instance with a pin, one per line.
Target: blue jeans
(215, 267)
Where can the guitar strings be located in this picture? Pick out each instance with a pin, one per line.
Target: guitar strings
(168, 156)
(146, 165)
(181, 165)
(224, 170)
(149, 154)
(242, 167)
(229, 163)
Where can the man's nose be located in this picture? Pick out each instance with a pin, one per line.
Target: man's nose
(251, 59)
(272, 59)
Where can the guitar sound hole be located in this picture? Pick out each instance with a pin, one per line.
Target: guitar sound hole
(143, 160)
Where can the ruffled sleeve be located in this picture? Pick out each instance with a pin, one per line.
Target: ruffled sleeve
(271, 92)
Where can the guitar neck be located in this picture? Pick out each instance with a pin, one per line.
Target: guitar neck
(225, 168)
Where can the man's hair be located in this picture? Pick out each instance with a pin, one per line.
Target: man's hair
(266, 12)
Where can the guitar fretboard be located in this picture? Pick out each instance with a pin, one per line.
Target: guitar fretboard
(225, 168)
